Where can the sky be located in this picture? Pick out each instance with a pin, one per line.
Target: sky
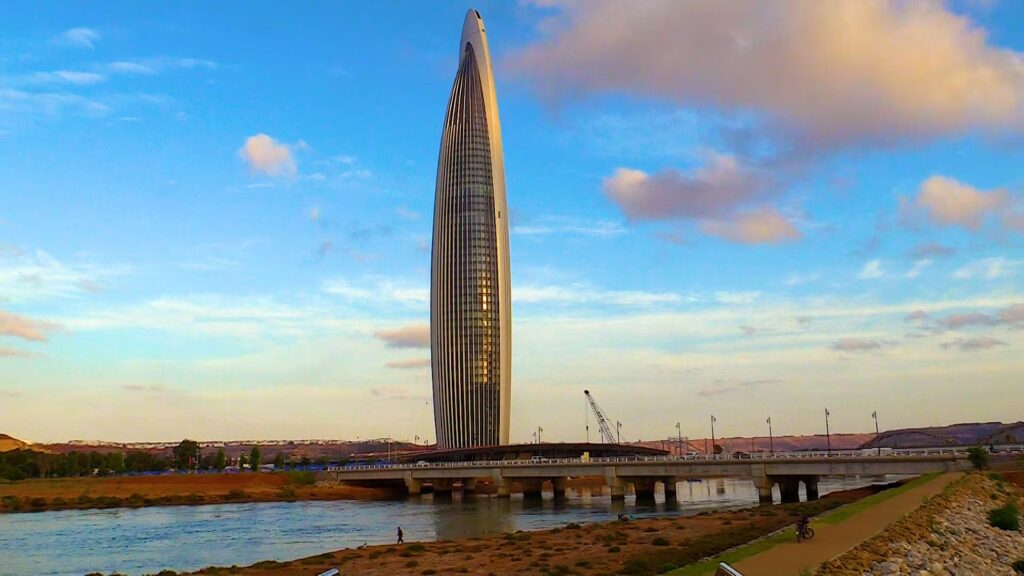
(216, 223)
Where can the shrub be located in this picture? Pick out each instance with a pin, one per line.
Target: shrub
(37, 502)
(636, 566)
(650, 529)
(613, 549)
(417, 547)
(237, 494)
(1005, 518)
(978, 457)
(135, 499)
(583, 564)
(1019, 566)
(58, 502)
(659, 541)
(429, 571)
(572, 526)
(411, 564)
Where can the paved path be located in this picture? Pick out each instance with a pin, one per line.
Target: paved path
(831, 540)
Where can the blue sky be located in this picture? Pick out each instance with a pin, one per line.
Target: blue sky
(217, 224)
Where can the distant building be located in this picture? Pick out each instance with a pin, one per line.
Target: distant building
(470, 290)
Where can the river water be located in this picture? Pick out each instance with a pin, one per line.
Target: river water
(147, 540)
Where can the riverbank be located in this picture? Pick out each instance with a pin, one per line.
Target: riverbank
(647, 546)
(948, 534)
(180, 489)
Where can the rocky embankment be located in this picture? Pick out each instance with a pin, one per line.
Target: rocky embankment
(949, 534)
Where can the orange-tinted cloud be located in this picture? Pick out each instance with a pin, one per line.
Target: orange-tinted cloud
(21, 327)
(827, 73)
(412, 336)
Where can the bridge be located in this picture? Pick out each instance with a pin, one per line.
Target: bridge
(643, 473)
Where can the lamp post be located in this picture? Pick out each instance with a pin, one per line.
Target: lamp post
(877, 445)
(618, 432)
(416, 440)
(828, 435)
(539, 430)
(771, 441)
(713, 452)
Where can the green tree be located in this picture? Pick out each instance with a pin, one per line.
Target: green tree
(243, 460)
(115, 462)
(184, 453)
(254, 458)
(279, 461)
(978, 457)
(718, 449)
(220, 461)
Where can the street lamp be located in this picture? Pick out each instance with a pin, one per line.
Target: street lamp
(828, 436)
(771, 441)
(679, 432)
(618, 432)
(416, 440)
(713, 451)
(877, 445)
(539, 430)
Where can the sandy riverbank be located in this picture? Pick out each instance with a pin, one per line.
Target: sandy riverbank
(647, 546)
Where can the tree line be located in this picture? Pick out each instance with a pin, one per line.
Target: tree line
(21, 464)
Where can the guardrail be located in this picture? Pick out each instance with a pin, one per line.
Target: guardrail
(865, 454)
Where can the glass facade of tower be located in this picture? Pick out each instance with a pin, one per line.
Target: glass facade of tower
(466, 297)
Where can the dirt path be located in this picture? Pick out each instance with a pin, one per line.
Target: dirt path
(831, 540)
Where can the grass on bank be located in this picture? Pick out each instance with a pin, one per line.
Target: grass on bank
(788, 536)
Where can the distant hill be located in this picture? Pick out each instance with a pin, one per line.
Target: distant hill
(8, 443)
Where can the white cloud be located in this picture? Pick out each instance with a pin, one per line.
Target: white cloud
(548, 225)
(80, 37)
(31, 276)
(871, 270)
(378, 291)
(268, 156)
(585, 294)
(987, 268)
(130, 68)
(918, 267)
(796, 278)
(314, 214)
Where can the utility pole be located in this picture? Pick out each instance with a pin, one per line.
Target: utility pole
(618, 432)
(679, 432)
(539, 430)
(713, 451)
(828, 436)
(877, 445)
(771, 441)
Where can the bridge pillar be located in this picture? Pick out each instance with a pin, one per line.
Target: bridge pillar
(413, 485)
(764, 489)
(532, 488)
(789, 488)
(670, 483)
(503, 487)
(644, 489)
(469, 485)
(558, 486)
(811, 483)
(617, 486)
(442, 487)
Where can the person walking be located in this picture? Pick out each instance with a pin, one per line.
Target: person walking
(400, 539)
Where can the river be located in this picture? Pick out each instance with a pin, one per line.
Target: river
(147, 540)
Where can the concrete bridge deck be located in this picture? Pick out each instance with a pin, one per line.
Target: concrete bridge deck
(787, 470)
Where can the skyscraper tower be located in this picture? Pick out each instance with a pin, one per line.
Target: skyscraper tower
(470, 290)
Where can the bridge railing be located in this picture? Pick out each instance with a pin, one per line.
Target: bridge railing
(865, 454)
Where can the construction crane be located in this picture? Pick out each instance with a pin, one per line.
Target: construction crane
(602, 419)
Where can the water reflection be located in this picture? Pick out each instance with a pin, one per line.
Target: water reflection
(147, 540)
